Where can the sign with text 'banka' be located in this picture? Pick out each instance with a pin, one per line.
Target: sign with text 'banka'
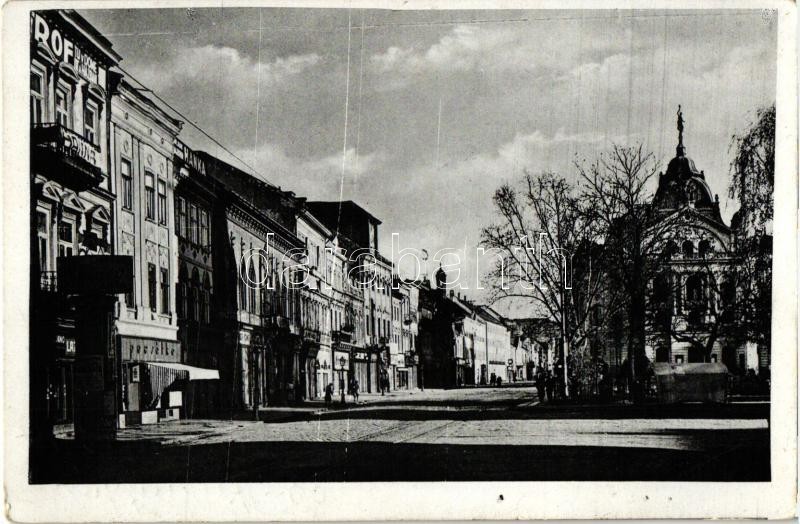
(95, 274)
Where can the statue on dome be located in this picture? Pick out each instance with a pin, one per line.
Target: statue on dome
(680, 126)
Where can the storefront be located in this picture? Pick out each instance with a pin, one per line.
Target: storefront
(153, 380)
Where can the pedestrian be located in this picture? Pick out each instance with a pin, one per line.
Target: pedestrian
(540, 386)
(355, 390)
(328, 394)
(499, 381)
(550, 383)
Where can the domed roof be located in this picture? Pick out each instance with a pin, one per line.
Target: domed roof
(682, 166)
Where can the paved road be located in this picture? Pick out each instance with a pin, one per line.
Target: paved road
(477, 434)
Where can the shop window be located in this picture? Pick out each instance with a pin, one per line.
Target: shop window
(127, 183)
(162, 202)
(90, 124)
(164, 291)
(66, 238)
(38, 105)
(149, 195)
(151, 286)
(63, 110)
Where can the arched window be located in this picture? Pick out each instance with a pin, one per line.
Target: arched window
(704, 249)
(670, 250)
(687, 249)
(194, 301)
(206, 296)
(183, 295)
(242, 285)
(695, 290)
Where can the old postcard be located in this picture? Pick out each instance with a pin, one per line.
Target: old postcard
(399, 260)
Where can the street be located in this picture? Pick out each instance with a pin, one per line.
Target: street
(470, 434)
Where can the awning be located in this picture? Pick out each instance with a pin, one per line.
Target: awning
(191, 372)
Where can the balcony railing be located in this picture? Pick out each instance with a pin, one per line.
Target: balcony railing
(70, 149)
(48, 281)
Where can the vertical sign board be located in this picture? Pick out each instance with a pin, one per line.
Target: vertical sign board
(92, 281)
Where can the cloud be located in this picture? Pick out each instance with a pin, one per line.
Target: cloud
(225, 65)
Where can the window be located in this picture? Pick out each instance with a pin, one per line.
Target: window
(194, 306)
(43, 235)
(183, 295)
(162, 202)
(66, 235)
(127, 183)
(62, 106)
(130, 297)
(251, 289)
(679, 359)
(203, 227)
(687, 249)
(193, 224)
(704, 249)
(90, 124)
(37, 97)
(181, 217)
(151, 284)
(164, 291)
(206, 314)
(150, 196)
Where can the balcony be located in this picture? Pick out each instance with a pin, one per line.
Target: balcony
(48, 281)
(65, 156)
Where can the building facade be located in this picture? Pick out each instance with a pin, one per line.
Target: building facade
(71, 192)
(142, 138)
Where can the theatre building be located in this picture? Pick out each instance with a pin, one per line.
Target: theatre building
(146, 323)
(71, 192)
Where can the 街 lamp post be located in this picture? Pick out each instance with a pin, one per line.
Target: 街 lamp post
(341, 378)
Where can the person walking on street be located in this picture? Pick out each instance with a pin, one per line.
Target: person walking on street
(328, 395)
(540, 386)
(355, 390)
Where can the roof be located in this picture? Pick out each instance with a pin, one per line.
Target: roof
(345, 205)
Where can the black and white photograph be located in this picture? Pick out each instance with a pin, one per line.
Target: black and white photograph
(350, 244)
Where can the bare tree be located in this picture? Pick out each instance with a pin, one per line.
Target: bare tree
(547, 255)
(616, 191)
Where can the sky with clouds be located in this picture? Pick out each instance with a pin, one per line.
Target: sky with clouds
(442, 107)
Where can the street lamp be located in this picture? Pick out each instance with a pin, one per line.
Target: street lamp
(341, 378)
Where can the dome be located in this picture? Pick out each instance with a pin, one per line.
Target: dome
(682, 166)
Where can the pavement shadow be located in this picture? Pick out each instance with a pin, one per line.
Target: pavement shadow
(140, 462)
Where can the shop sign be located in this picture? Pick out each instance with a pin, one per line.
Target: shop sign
(149, 350)
(360, 355)
(63, 48)
(398, 360)
(244, 338)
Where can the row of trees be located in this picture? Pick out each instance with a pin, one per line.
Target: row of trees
(602, 252)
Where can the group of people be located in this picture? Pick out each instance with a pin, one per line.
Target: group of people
(546, 384)
(352, 390)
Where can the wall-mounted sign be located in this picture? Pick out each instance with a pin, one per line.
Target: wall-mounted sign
(398, 360)
(137, 349)
(63, 48)
(360, 355)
